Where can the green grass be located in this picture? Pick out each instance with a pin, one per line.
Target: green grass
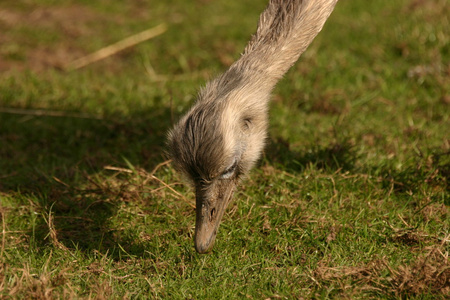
(350, 200)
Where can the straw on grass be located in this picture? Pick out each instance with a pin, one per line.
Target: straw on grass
(117, 47)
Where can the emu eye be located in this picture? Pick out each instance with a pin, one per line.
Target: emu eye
(229, 172)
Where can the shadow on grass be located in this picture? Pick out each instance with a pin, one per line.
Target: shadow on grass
(53, 160)
(432, 171)
(336, 156)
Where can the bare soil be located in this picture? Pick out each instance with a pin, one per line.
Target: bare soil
(66, 25)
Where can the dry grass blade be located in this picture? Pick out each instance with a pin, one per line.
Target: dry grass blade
(52, 231)
(428, 273)
(159, 166)
(111, 168)
(2, 215)
(151, 176)
(173, 190)
(117, 47)
(46, 113)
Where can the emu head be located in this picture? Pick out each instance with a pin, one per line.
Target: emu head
(216, 144)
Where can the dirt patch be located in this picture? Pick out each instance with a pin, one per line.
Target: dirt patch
(428, 5)
(427, 274)
(437, 212)
(44, 38)
(55, 58)
(72, 20)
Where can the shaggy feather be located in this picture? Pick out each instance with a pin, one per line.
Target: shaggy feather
(222, 136)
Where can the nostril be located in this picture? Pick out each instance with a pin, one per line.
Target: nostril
(213, 212)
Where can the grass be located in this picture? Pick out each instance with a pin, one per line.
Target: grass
(351, 198)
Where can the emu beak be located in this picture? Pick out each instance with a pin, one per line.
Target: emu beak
(211, 203)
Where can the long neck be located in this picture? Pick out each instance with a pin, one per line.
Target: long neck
(285, 30)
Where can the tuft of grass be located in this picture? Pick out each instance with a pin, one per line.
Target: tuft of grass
(350, 200)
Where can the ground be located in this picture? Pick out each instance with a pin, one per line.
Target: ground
(350, 200)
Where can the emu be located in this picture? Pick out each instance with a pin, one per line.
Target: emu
(218, 141)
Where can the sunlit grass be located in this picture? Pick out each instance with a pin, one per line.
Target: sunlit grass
(350, 199)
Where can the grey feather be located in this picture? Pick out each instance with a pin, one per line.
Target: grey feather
(227, 125)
